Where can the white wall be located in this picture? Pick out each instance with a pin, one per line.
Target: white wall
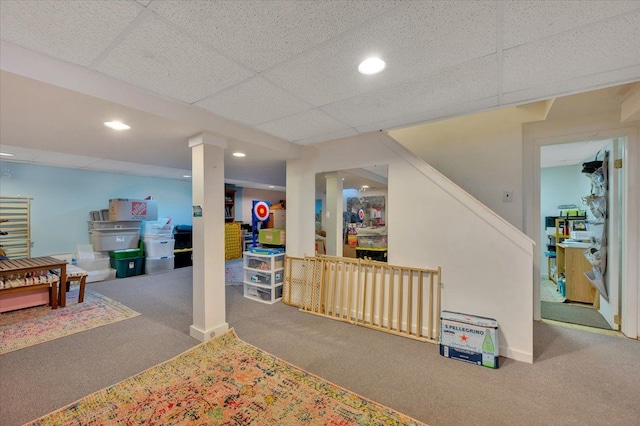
(482, 153)
(486, 263)
(250, 194)
(559, 185)
(63, 198)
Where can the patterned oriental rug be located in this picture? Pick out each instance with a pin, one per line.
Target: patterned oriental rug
(27, 327)
(225, 382)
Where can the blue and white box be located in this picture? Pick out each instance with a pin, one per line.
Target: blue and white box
(469, 338)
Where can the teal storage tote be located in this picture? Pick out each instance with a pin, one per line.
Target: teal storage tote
(127, 267)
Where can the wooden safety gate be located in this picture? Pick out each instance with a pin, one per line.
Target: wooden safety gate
(395, 299)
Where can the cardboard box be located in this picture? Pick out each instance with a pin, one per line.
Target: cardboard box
(272, 236)
(277, 219)
(349, 251)
(128, 209)
(320, 247)
(469, 338)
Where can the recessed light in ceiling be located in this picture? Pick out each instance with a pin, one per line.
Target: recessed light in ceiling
(239, 154)
(6, 154)
(271, 186)
(186, 176)
(371, 66)
(117, 125)
(364, 186)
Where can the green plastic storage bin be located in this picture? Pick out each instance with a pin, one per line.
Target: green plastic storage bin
(125, 254)
(127, 267)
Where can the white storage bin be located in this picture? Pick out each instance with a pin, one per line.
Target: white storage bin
(157, 265)
(113, 239)
(101, 275)
(158, 248)
(117, 224)
(158, 227)
(99, 262)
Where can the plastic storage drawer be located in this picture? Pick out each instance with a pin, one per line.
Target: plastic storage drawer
(263, 294)
(158, 265)
(263, 278)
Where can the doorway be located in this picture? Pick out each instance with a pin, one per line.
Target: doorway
(580, 207)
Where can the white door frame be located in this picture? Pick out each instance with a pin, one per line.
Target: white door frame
(631, 216)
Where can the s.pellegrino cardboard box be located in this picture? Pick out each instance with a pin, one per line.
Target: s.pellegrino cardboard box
(469, 338)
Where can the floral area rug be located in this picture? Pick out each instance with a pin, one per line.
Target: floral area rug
(225, 382)
(27, 327)
(234, 272)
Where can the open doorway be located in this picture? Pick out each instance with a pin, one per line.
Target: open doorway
(580, 207)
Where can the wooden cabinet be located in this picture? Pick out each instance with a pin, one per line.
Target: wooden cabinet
(229, 205)
(572, 264)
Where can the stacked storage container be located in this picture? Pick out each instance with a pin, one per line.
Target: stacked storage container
(108, 237)
(95, 263)
(158, 246)
(184, 246)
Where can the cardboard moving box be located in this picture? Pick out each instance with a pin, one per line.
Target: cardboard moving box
(128, 209)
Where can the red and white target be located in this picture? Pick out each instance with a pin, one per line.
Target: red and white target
(261, 210)
(361, 214)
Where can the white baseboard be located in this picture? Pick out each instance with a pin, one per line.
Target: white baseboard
(205, 335)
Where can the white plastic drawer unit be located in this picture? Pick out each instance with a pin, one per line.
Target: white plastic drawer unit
(263, 277)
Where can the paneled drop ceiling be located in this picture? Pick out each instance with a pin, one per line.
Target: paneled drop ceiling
(286, 71)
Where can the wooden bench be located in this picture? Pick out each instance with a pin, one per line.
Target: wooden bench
(31, 275)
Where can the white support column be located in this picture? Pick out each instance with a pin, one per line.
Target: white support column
(334, 213)
(207, 164)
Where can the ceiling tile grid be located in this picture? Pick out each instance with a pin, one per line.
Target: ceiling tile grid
(463, 83)
(73, 31)
(305, 125)
(254, 101)
(433, 115)
(414, 40)
(527, 21)
(596, 48)
(261, 34)
(158, 57)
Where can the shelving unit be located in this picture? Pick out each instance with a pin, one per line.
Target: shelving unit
(15, 217)
(263, 276)
(562, 232)
(229, 205)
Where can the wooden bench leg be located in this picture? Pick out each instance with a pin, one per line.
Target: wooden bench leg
(83, 281)
(53, 297)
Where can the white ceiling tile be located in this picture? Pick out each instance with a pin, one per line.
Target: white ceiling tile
(584, 51)
(434, 115)
(415, 39)
(575, 85)
(526, 21)
(261, 34)
(464, 83)
(144, 2)
(329, 136)
(158, 57)
(305, 125)
(253, 102)
(74, 31)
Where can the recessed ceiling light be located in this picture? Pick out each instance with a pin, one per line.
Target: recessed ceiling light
(371, 66)
(117, 125)
(6, 154)
(186, 176)
(271, 186)
(364, 186)
(239, 154)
